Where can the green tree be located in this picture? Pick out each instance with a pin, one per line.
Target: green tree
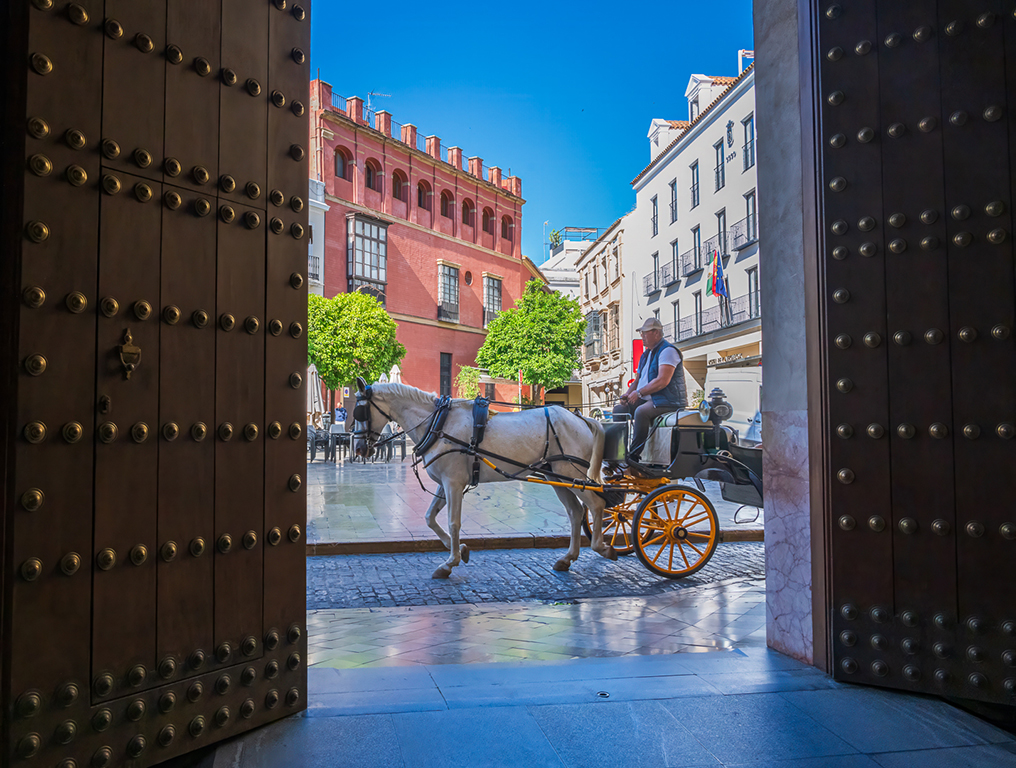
(539, 336)
(350, 335)
(468, 382)
(556, 238)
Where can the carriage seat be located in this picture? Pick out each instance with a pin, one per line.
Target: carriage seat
(682, 418)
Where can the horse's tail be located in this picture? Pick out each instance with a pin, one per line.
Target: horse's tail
(596, 457)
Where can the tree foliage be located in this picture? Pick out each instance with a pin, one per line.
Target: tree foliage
(350, 335)
(468, 382)
(556, 238)
(539, 336)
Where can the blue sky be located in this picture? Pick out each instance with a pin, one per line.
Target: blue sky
(560, 93)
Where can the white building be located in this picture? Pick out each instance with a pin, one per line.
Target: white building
(696, 198)
(606, 366)
(316, 242)
(559, 268)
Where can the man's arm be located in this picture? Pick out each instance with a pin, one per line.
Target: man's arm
(662, 380)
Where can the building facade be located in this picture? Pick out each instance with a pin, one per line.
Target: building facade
(696, 201)
(434, 235)
(606, 364)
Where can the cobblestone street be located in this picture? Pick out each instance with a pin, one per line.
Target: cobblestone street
(498, 576)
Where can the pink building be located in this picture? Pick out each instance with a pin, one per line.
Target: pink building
(435, 235)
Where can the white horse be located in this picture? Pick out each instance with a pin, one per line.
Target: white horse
(525, 437)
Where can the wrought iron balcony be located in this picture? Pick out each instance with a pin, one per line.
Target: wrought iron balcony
(740, 310)
(314, 268)
(448, 312)
(651, 284)
(669, 274)
(744, 233)
(691, 262)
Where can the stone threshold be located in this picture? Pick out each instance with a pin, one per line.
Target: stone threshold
(514, 541)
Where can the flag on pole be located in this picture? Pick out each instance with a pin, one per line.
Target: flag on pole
(720, 281)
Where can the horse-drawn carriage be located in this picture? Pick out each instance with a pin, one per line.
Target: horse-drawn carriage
(671, 526)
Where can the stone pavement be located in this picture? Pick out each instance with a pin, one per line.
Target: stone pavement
(727, 614)
(381, 503)
(751, 708)
(508, 575)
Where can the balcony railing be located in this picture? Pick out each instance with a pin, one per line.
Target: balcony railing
(448, 312)
(716, 243)
(489, 315)
(740, 310)
(651, 284)
(669, 274)
(743, 233)
(314, 268)
(691, 262)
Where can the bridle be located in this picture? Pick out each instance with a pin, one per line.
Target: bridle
(361, 415)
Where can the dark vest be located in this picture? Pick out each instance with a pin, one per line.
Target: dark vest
(675, 393)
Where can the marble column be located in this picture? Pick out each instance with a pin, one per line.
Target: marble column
(784, 193)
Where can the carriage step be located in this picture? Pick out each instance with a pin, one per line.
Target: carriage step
(523, 541)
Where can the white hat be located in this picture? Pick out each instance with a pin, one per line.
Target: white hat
(651, 324)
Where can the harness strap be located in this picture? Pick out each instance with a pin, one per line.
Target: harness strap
(436, 424)
(481, 407)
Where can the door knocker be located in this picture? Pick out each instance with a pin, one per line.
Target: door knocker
(130, 355)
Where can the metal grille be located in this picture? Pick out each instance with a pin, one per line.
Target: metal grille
(448, 294)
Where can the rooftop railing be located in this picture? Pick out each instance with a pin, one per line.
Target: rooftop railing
(338, 102)
(396, 131)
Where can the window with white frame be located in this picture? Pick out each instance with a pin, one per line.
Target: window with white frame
(694, 185)
(721, 231)
(491, 298)
(748, 150)
(448, 293)
(367, 255)
(721, 167)
(673, 201)
(754, 306)
(655, 217)
(749, 207)
(613, 337)
(696, 245)
(698, 312)
(593, 334)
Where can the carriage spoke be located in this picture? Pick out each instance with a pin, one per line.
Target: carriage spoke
(699, 535)
(700, 553)
(691, 511)
(662, 547)
(670, 562)
(660, 526)
(659, 538)
(689, 523)
(684, 557)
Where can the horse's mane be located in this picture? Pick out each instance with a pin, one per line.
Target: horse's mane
(406, 392)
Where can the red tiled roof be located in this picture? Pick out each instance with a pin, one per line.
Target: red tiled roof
(732, 82)
(679, 123)
(721, 80)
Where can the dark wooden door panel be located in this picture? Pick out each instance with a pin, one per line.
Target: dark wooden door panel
(918, 288)
(193, 35)
(153, 583)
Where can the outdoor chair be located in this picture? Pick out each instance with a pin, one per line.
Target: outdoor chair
(317, 440)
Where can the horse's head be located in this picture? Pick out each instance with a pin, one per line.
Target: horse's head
(364, 437)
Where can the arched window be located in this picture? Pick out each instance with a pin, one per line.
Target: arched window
(507, 228)
(468, 212)
(372, 174)
(343, 166)
(400, 185)
(488, 221)
(447, 204)
(423, 195)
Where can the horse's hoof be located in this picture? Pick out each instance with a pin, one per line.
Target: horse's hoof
(563, 564)
(442, 573)
(610, 553)
(464, 553)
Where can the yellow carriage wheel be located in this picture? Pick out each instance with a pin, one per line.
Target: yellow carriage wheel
(617, 521)
(675, 531)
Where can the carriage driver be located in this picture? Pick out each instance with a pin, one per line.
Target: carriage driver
(660, 387)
